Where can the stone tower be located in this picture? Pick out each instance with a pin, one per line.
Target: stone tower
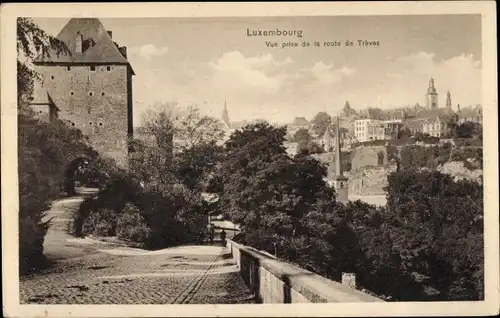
(90, 85)
(431, 96)
(340, 181)
(448, 100)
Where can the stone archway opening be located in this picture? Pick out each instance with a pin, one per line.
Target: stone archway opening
(79, 175)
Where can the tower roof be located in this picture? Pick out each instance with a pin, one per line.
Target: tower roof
(98, 46)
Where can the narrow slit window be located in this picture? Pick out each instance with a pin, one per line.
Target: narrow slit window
(90, 93)
(52, 77)
(102, 93)
(100, 124)
(108, 68)
(92, 68)
(90, 123)
(73, 124)
(68, 68)
(72, 93)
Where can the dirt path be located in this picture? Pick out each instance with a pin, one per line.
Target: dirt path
(91, 272)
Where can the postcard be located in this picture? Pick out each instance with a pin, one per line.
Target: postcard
(249, 159)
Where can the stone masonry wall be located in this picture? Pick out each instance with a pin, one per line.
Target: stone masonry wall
(368, 156)
(370, 180)
(96, 102)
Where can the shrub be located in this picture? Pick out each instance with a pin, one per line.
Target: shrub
(101, 222)
(31, 238)
(131, 225)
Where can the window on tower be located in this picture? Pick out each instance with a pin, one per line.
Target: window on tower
(108, 68)
(68, 68)
(92, 68)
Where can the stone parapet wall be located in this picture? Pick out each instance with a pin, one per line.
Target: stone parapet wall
(273, 281)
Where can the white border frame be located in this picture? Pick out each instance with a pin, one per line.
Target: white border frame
(9, 13)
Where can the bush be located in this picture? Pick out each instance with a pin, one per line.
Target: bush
(101, 223)
(31, 238)
(131, 225)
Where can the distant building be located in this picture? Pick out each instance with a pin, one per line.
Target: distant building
(328, 139)
(297, 124)
(89, 86)
(374, 129)
(434, 122)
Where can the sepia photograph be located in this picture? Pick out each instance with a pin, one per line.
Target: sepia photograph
(229, 159)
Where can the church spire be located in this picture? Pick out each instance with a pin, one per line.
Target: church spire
(225, 115)
(448, 100)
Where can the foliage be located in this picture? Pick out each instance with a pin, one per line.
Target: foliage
(320, 122)
(194, 166)
(131, 225)
(426, 138)
(467, 130)
(306, 145)
(261, 187)
(425, 245)
(158, 200)
(101, 222)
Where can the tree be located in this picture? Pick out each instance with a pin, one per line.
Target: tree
(263, 189)
(320, 122)
(31, 42)
(302, 136)
(468, 130)
(194, 166)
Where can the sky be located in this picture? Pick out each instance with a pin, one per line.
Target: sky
(206, 61)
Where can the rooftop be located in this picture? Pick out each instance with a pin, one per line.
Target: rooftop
(97, 45)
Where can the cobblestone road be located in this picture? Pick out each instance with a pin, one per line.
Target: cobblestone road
(89, 272)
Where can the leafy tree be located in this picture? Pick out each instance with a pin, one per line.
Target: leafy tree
(302, 136)
(266, 191)
(468, 130)
(194, 166)
(320, 122)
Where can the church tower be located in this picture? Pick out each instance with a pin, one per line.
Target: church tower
(340, 181)
(448, 100)
(431, 96)
(225, 116)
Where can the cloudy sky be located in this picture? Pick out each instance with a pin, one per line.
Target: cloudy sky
(205, 61)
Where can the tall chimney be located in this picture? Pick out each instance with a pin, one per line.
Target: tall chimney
(123, 51)
(110, 33)
(79, 43)
(338, 166)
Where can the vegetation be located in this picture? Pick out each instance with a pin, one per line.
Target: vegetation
(425, 245)
(306, 144)
(43, 148)
(158, 201)
(320, 122)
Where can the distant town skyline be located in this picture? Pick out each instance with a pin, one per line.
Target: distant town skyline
(207, 61)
